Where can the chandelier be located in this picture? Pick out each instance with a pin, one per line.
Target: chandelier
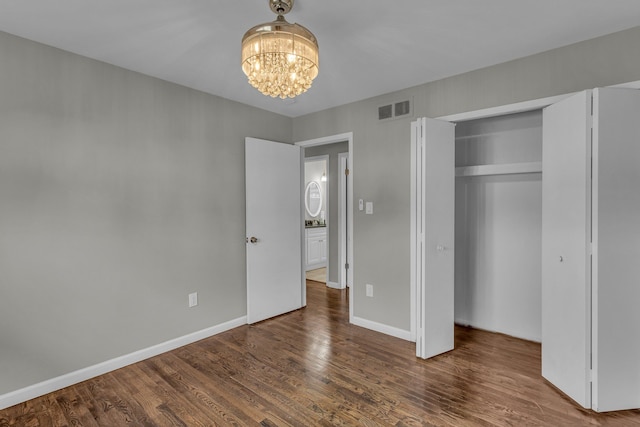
(280, 59)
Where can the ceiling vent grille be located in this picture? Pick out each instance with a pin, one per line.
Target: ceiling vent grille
(394, 111)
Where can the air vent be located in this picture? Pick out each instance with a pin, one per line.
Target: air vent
(395, 110)
(402, 108)
(385, 112)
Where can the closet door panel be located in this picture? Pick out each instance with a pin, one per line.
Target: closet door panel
(439, 213)
(435, 212)
(616, 235)
(566, 223)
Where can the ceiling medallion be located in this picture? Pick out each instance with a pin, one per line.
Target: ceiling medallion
(280, 59)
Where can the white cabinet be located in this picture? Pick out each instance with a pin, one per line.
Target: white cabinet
(591, 248)
(316, 245)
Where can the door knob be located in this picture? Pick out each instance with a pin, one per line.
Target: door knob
(252, 240)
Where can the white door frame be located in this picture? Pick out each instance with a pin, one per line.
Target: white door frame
(332, 140)
(343, 162)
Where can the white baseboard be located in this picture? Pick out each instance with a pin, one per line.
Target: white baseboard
(334, 285)
(53, 384)
(462, 322)
(385, 329)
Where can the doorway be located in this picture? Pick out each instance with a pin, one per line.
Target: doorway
(340, 188)
(318, 220)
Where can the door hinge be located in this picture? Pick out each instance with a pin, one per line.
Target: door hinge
(346, 171)
(346, 266)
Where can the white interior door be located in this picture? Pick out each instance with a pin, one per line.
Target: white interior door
(616, 235)
(274, 223)
(433, 234)
(566, 223)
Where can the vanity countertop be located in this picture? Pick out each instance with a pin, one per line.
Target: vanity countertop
(315, 226)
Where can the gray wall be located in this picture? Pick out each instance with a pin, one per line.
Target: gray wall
(381, 155)
(333, 179)
(119, 195)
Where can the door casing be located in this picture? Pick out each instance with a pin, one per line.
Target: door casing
(349, 211)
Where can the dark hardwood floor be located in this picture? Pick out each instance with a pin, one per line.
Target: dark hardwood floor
(311, 367)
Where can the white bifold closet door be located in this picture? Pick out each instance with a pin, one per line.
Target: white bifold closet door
(591, 248)
(566, 234)
(432, 231)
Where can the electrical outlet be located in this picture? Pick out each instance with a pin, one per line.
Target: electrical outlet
(193, 299)
(369, 208)
(369, 290)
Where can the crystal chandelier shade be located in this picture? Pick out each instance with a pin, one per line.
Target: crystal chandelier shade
(280, 59)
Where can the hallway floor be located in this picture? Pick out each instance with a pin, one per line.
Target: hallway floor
(317, 275)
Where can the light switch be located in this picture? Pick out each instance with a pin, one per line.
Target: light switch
(369, 210)
(360, 204)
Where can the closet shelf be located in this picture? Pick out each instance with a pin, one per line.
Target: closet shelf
(500, 169)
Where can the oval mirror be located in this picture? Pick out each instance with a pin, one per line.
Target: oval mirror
(313, 199)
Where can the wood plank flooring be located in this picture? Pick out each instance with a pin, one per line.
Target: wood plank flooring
(311, 368)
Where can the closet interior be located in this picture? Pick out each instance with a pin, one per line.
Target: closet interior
(547, 238)
(498, 224)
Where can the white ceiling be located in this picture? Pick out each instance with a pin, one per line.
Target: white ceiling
(367, 47)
